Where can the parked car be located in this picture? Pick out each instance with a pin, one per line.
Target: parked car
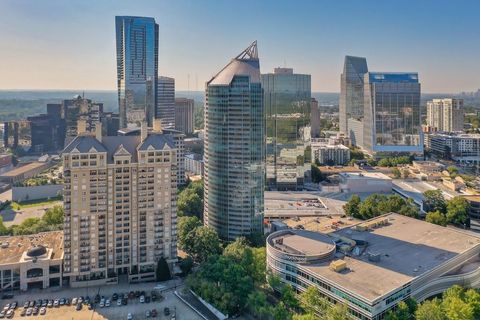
(10, 313)
(78, 307)
(50, 303)
(147, 314)
(90, 306)
(6, 307)
(147, 299)
(35, 311)
(43, 310)
(97, 298)
(119, 302)
(25, 305)
(44, 303)
(56, 303)
(115, 297)
(23, 313)
(124, 302)
(107, 303)
(166, 311)
(61, 302)
(74, 300)
(129, 316)
(142, 299)
(154, 313)
(13, 305)
(2, 314)
(29, 311)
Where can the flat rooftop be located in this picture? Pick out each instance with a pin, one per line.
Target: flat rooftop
(22, 169)
(13, 247)
(305, 243)
(287, 204)
(364, 175)
(408, 248)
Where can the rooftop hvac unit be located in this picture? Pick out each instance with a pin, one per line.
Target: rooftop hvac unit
(338, 265)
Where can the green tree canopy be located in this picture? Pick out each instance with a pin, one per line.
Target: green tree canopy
(457, 211)
(434, 201)
(436, 217)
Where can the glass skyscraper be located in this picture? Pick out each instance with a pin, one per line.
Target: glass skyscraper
(165, 110)
(392, 113)
(137, 69)
(287, 98)
(235, 148)
(351, 92)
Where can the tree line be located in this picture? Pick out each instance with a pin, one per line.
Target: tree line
(52, 220)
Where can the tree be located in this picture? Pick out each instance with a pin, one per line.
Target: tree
(206, 243)
(257, 303)
(308, 316)
(401, 312)
(396, 173)
(352, 207)
(189, 203)
(457, 211)
(163, 271)
(289, 298)
(385, 162)
(357, 154)
(372, 162)
(436, 217)
(337, 312)
(312, 302)
(185, 232)
(3, 230)
(405, 173)
(186, 265)
(452, 170)
(317, 175)
(280, 312)
(54, 215)
(430, 310)
(433, 201)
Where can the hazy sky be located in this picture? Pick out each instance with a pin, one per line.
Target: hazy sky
(70, 44)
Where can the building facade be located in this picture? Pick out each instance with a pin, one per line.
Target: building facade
(194, 164)
(461, 147)
(314, 119)
(137, 69)
(235, 148)
(120, 206)
(445, 115)
(392, 120)
(184, 115)
(351, 91)
(287, 98)
(166, 102)
(330, 154)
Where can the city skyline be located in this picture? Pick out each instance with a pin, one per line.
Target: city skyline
(315, 41)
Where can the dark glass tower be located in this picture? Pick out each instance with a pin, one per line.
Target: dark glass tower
(235, 148)
(137, 69)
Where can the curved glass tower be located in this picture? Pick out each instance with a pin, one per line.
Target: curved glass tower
(235, 148)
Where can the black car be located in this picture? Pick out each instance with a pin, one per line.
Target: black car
(13, 305)
(78, 307)
(97, 298)
(35, 311)
(147, 299)
(44, 302)
(87, 300)
(31, 304)
(124, 302)
(166, 311)
(115, 297)
(90, 306)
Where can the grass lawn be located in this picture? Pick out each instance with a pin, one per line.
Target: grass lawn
(33, 203)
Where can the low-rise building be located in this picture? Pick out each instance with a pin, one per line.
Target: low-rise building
(375, 264)
(362, 182)
(461, 147)
(33, 261)
(23, 172)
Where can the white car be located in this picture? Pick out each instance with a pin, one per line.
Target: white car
(129, 316)
(43, 310)
(119, 302)
(74, 301)
(102, 304)
(142, 299)
(107, 303)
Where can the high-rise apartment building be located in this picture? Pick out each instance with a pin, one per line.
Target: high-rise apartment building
(184, 115)
(137, 69)
(314, 119)
(391, 120)
(235, 148)
(351, 91)
(445, 114)
(120, 206)
(287, 98)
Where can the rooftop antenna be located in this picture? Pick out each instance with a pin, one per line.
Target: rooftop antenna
(83, 95)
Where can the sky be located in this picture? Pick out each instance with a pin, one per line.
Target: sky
(59, 44)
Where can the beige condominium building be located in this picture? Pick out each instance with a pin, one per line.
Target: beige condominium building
(28, 262)
(120, 206)
(445, 114)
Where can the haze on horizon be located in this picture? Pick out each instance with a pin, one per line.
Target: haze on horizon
(56, 44)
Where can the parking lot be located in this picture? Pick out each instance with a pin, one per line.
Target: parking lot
(138, 310)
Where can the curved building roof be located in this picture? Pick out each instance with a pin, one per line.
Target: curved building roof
(245, 64)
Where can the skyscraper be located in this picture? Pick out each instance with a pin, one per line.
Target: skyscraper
(184, 115)
(120, 206)
(351, 91)
(445, 114)
(165, 110)
(314, 119)
(137, 69)
(287, 98)
(391, 120)
(235, 148)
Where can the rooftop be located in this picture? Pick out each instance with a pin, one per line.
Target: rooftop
(393, 77)
(22, 169)
(13, 247)
(364, 175)
(408, 248)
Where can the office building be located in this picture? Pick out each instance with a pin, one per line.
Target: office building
(184, 115)
(330, 154)
(461, 147)
(445, 115)
(31, 261)
(287, 98)
(375, 264)
(391, 120)
(235, 148)
(351, 91)
(314, 119)
(120, 206)
(166, 102)
(137, 69)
